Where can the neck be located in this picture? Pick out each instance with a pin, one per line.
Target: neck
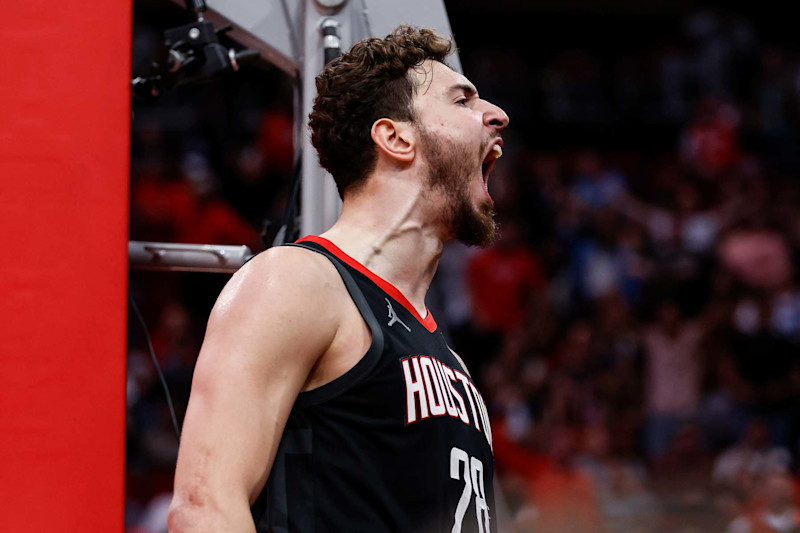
(384, 228)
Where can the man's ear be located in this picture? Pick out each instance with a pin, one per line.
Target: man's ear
(395, 139)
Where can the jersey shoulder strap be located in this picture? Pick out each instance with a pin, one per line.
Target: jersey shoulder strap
(368, 361)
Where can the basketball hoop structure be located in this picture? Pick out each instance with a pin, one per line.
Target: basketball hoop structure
(299, 37)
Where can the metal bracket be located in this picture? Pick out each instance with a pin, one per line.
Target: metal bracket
(187, 257)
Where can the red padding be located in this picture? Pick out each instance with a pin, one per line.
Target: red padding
(64, 149)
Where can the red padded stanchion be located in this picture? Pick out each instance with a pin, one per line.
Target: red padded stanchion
(64, 149)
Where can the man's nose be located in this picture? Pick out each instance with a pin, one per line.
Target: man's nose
(495, 117)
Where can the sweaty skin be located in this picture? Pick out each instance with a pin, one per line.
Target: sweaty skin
(268, 340)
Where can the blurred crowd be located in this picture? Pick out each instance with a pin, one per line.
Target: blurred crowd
(640, 355)
(635, 329)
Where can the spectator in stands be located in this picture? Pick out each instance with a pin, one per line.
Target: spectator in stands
(682, 473)
(501, 280)
(599, 262)
(711, 143)
(620, 482)
(772, 508)
(673, 369)
(596, 187)
(747, 462)
(565, 498)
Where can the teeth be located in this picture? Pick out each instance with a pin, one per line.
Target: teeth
(497, 151)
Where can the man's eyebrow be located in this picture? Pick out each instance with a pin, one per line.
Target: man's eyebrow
(465, 88)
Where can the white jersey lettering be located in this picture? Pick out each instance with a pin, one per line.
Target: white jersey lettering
(449, 404)
(415, 390)
(432, 391)
(465, 381)
(461, 408)
(432, 387)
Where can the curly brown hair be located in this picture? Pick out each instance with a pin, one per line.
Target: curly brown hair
(367, 83)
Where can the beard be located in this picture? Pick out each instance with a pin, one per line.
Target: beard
(450, 170)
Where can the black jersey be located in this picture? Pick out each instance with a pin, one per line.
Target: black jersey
(399, 443)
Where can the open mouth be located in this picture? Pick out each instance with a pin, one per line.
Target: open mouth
(488, 162)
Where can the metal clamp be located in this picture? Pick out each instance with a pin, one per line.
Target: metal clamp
(187, 257)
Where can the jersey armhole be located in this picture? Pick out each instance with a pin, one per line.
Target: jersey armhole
(460, 362)
(367, 363)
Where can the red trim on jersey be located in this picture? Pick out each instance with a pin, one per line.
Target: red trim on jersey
(388, 288)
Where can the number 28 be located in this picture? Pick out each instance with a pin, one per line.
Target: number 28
(473, 482)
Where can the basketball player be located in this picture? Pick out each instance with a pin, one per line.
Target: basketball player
(324, 397)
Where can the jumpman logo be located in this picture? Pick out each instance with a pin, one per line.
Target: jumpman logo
(393, 316)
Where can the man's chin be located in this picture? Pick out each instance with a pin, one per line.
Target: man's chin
(476, 227)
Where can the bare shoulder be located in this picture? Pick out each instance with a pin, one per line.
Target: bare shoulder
(283, 271)
(272, 323)
(269, 303)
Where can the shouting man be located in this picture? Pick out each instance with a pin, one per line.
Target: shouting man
(324, 397)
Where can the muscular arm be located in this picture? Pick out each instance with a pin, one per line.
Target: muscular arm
(261, 343)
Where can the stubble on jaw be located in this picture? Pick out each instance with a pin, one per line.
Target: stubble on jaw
(450, 170)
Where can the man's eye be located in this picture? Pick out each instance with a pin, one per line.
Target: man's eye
(463, 101)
